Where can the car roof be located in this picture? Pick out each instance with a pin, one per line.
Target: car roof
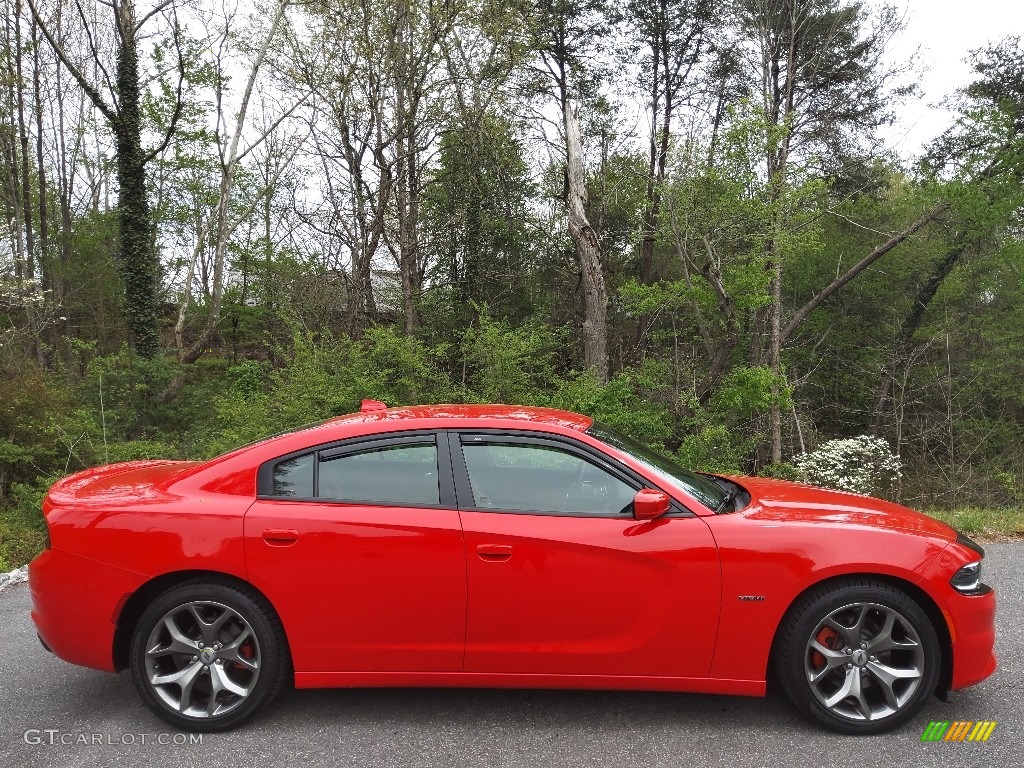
(469, 413)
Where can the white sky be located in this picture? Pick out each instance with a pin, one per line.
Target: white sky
(946, 31)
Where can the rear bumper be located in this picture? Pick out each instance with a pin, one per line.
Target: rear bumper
(75, 605)
(972, 629)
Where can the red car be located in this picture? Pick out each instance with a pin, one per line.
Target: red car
(499, 546)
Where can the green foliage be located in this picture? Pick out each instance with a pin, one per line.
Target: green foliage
(629, 402)
(782, 470)
(22, 530)
(506, 365)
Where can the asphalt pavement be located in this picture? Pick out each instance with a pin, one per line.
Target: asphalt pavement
(56, 714)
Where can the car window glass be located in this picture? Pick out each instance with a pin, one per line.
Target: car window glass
(537, 478)
(294, 477)
(399, 474)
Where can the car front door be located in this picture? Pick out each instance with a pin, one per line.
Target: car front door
(563, 580)
(359, 548)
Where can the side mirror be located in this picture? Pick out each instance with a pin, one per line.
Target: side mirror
(649, 504)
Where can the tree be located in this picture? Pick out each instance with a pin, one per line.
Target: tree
(231, 150)
(672, 36)
(564, 33)
(119, 100)
(979, 165)
(817, 74)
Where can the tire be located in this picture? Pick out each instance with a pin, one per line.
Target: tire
(207, 655)
(858, 655)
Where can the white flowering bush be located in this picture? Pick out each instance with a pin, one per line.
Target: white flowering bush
(862, 464)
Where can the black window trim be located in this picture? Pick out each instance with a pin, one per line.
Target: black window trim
(464, 490)
(337, 448)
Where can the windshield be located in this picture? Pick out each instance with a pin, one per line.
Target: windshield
(701, 488)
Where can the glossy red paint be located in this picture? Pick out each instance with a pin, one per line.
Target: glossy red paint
(649, 504)
(453, 595)
(390, 584)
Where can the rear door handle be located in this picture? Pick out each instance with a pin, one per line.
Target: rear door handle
(494, 553)
(280, 537)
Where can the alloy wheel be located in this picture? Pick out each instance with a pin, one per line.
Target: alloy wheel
(864, 661)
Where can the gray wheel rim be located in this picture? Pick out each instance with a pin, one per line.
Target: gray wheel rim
(864, 661)
(202, 659)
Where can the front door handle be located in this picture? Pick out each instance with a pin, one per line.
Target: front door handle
(280, 537)
(494, 553)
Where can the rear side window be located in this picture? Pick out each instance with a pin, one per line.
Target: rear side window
(294, 477)
(399, 474)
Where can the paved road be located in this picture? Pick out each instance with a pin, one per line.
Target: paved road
(488, 728)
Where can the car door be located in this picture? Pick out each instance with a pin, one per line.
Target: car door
(359, 548)
(563, 580)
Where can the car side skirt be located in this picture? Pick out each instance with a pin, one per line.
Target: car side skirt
(508, 680)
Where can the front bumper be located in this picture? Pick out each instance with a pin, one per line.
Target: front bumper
(972, 629)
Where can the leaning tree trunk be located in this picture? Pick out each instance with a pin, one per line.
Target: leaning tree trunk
(588, 251)
(913, 320)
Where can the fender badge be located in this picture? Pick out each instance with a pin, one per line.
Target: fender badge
(752, 598)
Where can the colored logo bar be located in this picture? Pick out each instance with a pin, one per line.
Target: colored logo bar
(959, 730)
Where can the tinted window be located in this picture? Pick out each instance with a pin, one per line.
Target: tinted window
(709, 493)
(294, 477)
(400, 474)
(537, 478)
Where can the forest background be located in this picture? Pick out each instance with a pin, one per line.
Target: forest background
(226, 219)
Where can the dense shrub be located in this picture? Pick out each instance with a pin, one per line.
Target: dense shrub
(862, 464)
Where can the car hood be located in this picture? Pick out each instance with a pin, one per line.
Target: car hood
(784, 501)
(130, 480)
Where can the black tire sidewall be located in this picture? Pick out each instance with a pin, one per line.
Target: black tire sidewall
(805, 619)
(264, 623)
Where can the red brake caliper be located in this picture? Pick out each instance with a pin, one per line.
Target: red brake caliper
(827, 637)
(248, 652)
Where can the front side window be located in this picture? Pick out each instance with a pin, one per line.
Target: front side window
(399, 474)
(541, 478)
(709, 493)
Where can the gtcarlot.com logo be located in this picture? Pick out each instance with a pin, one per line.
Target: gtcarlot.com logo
(959, 730)
(53, 736)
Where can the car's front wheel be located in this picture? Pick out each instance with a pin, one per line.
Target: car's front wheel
(859, 655)
(207, 655)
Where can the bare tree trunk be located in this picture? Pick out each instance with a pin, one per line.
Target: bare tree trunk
(406, 192)
(775, 360)
(588, 251)
(25, 165)
(222, 225)
(782, 100)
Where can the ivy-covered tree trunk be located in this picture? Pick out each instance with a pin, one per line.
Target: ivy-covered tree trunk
(137, 254)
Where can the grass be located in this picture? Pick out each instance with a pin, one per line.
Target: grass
(998, 524)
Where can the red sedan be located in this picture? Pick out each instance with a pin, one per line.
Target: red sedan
(500, 546)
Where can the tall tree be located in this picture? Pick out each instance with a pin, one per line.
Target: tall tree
(565, 33)
(231, 149)
(119, 100)
(816, 69)
(671, 37)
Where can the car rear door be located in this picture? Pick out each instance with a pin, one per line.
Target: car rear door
(563, 580)
(359, 548)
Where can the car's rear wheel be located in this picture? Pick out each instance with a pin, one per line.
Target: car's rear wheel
(208, 655)
(859, 656)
